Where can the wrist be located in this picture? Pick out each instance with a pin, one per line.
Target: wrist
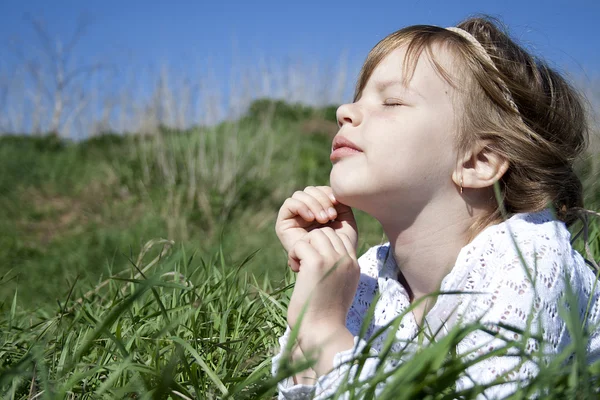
(323, 342)
(313, 336)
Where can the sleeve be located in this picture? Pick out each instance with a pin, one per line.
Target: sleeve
(342, 362)
(524, 290)
(343, 371)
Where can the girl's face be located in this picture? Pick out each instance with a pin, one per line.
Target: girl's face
(405, 139)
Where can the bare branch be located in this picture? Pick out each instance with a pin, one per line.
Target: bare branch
(51, 51)
(82, 25)
(86, 69)
(56, 84)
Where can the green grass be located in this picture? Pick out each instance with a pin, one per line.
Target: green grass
(77, 210)
(147, 266)
(194, 326)
(183, 326)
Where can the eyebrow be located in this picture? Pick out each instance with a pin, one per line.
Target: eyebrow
(382, 85)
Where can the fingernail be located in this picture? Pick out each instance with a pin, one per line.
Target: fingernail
(331, 212)
(323, 215)
(310, 214)
(332, 197)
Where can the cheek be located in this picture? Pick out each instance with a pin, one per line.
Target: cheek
(424, 152)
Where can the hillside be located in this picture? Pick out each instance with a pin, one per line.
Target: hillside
(79, 211)
(145, 266)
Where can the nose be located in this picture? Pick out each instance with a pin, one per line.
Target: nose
(348, 113)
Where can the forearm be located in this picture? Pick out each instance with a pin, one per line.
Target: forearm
(307, 386)
(323, 343)
(306, 377)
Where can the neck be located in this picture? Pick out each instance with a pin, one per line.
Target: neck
(425, 247)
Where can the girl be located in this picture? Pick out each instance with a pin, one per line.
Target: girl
(440, 118)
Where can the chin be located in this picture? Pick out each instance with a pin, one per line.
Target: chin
(347, 189)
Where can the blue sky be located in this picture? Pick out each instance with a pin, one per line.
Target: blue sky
(565, 31)
(186, 34)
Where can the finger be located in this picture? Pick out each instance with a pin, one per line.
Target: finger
(335, 240)
(324, 199)
(314, 205)
(342, 210)
(293, 263)
(329, 192)
(293, 260)
(339, 207)
(322, 243)
(348, 245)
(294, 207)
(302, 250)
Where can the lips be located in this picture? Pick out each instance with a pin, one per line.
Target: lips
(343, 147)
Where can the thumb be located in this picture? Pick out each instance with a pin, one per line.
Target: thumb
(293, 263)
(301, 252)
(293, 260)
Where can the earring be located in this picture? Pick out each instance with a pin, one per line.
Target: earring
(461, 185)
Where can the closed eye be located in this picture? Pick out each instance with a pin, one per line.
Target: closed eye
(392, 103)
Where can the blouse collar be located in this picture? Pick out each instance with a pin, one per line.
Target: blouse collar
(444, 312)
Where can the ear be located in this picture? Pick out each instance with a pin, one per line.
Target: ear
(480, 167)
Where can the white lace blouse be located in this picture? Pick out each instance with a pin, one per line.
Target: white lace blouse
(492, 268)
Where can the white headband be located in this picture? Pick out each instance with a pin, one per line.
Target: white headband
(487, 57)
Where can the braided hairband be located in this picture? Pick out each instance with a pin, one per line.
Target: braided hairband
(487, 57)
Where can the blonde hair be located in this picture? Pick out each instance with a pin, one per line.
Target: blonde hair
(540, 128)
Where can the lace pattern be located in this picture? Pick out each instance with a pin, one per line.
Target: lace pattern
(511, 272)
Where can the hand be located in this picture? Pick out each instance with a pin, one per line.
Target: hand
(328, 276)
(310, 209)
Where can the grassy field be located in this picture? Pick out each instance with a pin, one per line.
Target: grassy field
(79, 210)
(146, 266)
